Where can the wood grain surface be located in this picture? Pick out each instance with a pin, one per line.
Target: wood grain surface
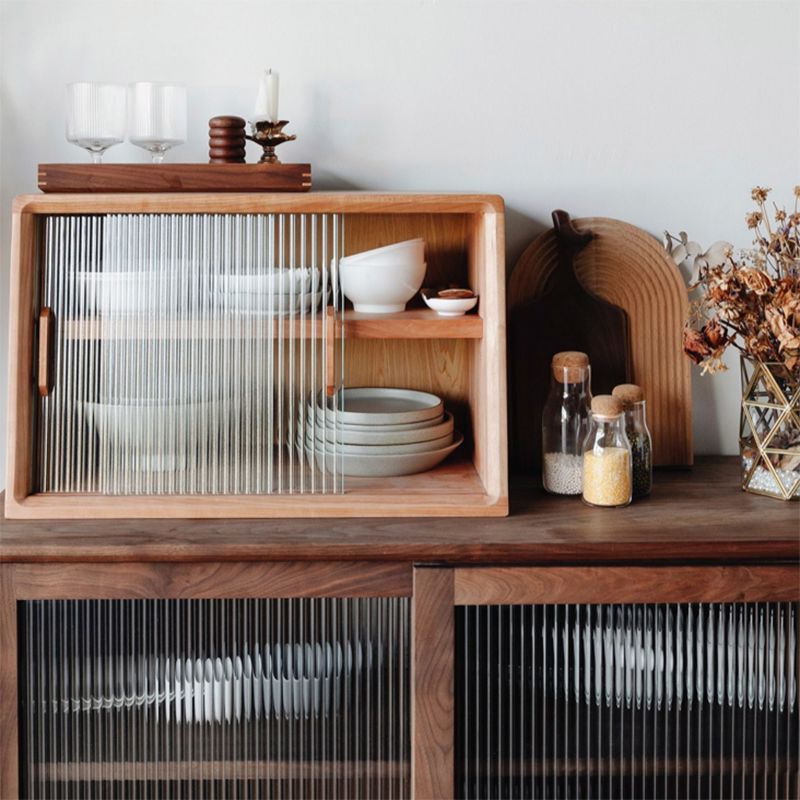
(249, 203)
(562, 316)
(44, 367)
(415, 323)
(432, 681)
(217, 177)
(212, 580)
(698, 515)
(453, 489)
(629, 268)
(607, 584)
(9, 753)
(21, 337)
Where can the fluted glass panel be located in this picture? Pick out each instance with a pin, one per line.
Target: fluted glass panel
(188, 352)
(215, 698)
(635, 701)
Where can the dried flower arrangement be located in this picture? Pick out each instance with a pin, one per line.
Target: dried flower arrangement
(750, 301)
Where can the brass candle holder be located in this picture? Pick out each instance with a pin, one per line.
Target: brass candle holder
(269, 135)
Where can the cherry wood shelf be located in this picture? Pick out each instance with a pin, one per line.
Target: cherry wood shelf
(692, 516)
(418, 323)
(454, 488)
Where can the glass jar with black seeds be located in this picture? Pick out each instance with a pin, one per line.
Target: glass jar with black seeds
(642, 461)
(638, 434)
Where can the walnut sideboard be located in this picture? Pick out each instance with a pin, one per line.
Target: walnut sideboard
(562, 651)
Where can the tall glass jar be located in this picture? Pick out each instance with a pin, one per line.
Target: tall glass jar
(607, 477)
(638, 433)
(565, 420)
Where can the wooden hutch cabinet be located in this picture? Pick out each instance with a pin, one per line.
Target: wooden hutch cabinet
(563, 651)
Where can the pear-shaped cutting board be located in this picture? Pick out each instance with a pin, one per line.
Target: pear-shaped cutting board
(618, 272)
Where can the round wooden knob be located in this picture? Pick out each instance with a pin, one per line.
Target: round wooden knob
(226, 141)
(226, 122)
(226, 152)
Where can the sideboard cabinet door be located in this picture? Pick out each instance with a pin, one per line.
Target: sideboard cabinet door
(611, 682)
(210, 680)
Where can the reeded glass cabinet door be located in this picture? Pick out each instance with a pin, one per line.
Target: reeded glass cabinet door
(297, 698)
(653, 700)
(184, 352)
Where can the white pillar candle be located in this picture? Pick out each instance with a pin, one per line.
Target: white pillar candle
(266, 109)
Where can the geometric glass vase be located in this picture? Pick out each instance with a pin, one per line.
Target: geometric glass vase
(769, 430)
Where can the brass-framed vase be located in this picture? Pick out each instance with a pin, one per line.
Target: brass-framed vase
(769, 429)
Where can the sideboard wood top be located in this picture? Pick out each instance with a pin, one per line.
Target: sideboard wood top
(697, 515)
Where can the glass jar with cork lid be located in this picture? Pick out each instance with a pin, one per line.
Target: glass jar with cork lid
(638, 434)
(607, 477)
(565, 421)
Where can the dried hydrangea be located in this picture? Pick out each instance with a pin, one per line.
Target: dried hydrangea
(751, 301)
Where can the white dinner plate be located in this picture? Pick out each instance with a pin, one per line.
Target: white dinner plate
(384, 449)
(366, 466)
(384, 406)
(375, 435)
(331, 421)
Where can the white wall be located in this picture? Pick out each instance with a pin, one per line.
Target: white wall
(663, 114)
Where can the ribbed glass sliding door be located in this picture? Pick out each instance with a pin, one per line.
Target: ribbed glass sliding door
(191, 354)
(635, 701)
(215, 698)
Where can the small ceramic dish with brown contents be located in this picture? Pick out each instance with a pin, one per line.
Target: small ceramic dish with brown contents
(451, 302)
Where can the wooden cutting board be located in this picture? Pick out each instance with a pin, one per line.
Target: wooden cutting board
(628, 268)
(565, 316)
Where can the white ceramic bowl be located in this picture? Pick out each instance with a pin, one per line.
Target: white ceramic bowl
(377, 287)
(158, 436)
(450, 306)
(397, 253)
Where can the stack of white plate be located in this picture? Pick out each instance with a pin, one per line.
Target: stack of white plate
(277, 292)
(277, 681)
(377, 432)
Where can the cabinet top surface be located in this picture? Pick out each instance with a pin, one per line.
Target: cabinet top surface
(261, 202)
(697, 515)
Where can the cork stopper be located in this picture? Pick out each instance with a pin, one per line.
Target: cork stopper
(569, 366)
(604, 406)
(628, 393)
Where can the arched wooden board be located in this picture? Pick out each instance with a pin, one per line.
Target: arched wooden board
(629, 268)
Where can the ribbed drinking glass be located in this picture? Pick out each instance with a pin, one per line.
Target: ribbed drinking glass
(157, 117)
(96, 116)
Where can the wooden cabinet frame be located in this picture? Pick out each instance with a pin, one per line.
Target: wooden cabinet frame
(461, 359)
